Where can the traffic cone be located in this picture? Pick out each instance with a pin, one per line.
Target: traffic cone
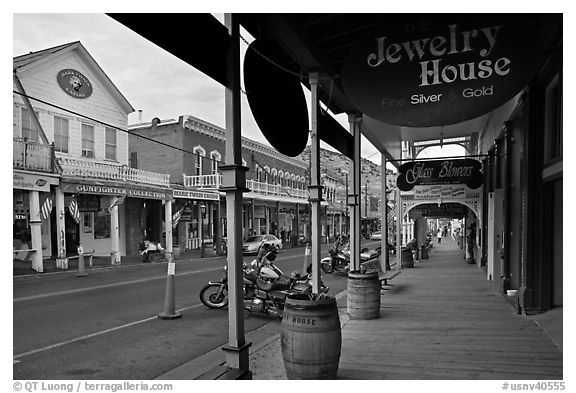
(307, 253)
(170, 297)
(81, 272)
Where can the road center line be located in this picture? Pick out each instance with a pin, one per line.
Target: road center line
(60, 344)
(79, 290)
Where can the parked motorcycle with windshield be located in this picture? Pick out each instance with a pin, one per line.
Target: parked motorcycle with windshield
(265, 287)
(339, 260)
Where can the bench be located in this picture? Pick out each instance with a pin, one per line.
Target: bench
(88, 255)
(24, 254)
(373, 266)
(385, 276)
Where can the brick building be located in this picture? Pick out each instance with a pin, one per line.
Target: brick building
(191, 150)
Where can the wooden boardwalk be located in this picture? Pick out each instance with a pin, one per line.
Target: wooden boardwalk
(442, 320)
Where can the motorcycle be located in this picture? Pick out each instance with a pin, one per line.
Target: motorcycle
(265, 288)
(337, 261)
(152, 252)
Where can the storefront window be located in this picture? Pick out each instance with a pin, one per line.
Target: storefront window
(20, 230)
(101, 226)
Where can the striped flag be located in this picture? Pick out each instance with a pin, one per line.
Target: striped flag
(176, 218)
(47, 208)
(73, 210)
(116, 201)
(391, 214)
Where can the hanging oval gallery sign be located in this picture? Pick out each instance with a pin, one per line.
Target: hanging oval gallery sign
(417, 173)
(74, 83)
(441, 71)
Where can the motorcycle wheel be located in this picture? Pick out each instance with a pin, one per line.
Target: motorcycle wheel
(326, 267)
(214, 296)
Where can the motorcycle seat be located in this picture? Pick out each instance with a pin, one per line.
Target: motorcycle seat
(271, 286)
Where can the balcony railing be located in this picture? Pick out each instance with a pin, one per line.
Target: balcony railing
(214, 182)
(82, 168)
(32, 155)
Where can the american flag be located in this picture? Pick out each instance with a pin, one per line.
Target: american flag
(176, 218)
(73, 210)
(116, 201)
(47, 208)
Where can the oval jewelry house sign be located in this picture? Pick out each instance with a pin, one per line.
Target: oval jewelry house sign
(74, 83)
(441, 71)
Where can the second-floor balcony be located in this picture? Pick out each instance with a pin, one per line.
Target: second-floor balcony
(215, 180)
(34, 156)
(75, 167)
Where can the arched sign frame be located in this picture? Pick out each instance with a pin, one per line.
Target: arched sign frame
(472, 200)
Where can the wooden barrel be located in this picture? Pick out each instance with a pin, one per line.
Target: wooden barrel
(406, 258)
(424, 252)
(363, 295)
(310, 338)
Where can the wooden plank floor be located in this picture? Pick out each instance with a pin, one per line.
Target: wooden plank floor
(442, 320)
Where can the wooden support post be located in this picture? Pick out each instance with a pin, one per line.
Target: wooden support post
(384, 257)
(60, 228)
(398, 230)
(114, 237)
(234, 184)
(35, 230)
(315, 187)
(354, 202)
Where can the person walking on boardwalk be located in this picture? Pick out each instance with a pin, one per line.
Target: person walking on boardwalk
(439, 236)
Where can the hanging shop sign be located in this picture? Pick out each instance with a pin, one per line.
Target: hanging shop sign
(89, 203)
(448, 210)
(113, 190)
(440, 191)
(74, 83)
(415, 173)
(27, 181)
(442, 69)
(198, 195)
(186, 214)
(268, 89)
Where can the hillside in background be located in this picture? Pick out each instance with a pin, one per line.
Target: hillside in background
(335, 164)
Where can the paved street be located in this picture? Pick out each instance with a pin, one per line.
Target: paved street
(105, 325)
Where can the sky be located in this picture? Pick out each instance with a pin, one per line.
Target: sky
(151, 79)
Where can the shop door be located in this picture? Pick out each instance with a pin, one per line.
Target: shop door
(72, 235)
(495, 268)
(557, 244)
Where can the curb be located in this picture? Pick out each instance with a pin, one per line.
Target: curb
(98, 269)
(203, 365)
